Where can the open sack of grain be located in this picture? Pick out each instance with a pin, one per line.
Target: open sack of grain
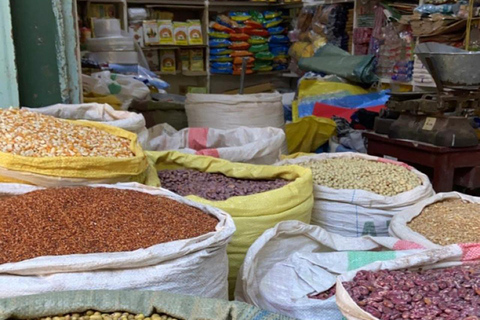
(127, 305)
(437, 283)
(292, 268)
(257, 197)
(47, 151)
(99, 112)
(443, 219)
(117, 237)
(243, 144)
(357, 194)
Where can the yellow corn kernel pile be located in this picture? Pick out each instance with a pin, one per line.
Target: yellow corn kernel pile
(32, 134)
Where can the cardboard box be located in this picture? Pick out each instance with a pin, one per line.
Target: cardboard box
(197, 60)
(153, 59)
(165, 31)
(167, 61)
(150, 33)
(136, 31)
(185, 59)
(195, 35)
(180, 30)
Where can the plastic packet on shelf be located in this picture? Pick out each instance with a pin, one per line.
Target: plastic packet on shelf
(279, 39)
(257, 40)
(272, 14)
(219, 43)
(239, 37)
(140, 73)
(226, 21)
(239, 16)
(239, 45)
(221, 58)
(276, 30)
(273, 22)
(222, 65)
(218, 34)
(220, 51)
(221, 28)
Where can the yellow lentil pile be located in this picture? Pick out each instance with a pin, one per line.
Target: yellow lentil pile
(32, 134)
(353, 173)
(95, 315)
(449, 222)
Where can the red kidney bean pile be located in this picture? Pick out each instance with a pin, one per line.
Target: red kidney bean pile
(325, 294)
(62, 221)
(442, 294)
(213, 186)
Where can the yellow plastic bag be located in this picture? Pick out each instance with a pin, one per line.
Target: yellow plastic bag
(309, 133)
(255, 213)
(62, 171)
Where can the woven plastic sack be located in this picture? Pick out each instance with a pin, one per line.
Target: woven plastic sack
(196, 266)
(232, 111)
(252, 214)
(444, 257)
(293, 260)
(248, 145)
(399, 228)
(102, 113)
(64, 171)
(135, 302)
(354, 213)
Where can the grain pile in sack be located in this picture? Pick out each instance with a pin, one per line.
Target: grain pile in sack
(253, 214)
(46, 151)
(138, 258)
(443, 219)
(437, 283)
(232, 111)
(293, 261)
(102, 113)
(344, 208)
(155, 305)
(249, 145)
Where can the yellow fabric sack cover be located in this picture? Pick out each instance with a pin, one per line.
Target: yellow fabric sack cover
(58, 171)
(255, 213)
(308, 134)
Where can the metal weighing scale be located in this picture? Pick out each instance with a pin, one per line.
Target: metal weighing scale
(444, 118)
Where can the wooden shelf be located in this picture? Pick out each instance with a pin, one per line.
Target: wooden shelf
(192, 4)
(194, 73)
(253, 4)
(173, 47)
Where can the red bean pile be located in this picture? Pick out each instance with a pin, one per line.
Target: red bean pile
(325, 294)
(62, 221)
(213, 186)
(442, 294)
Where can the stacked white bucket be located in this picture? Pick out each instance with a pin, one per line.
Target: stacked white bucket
(110, 44)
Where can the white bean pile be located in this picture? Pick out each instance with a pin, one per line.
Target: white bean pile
(351, 173)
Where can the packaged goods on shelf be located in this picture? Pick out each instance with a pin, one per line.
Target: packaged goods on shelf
(180, 30)
(168, 61)
(291, 268)
(354, 204)
(150, 32)
(136, 31)
(184, 265)
(195, 35)
(292, 202)
(153, 60)
(165, 32)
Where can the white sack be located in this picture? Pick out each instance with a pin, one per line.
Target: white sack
(102, 113)
(444, 257)
(398, 227)
(248, 145)
(232, 111)
(353, 213)
(294, 259)
(196, 266)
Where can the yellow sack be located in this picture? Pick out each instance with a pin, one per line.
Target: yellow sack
(308, 134)
(255, 213)
(63, 171)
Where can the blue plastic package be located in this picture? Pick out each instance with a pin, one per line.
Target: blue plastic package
(222, 65)
(279, 39)
(140, 73)
(221, 58)
(273, 22)
(221, 71)
(276, 30)
(279, 51)
(239, 16)
(219, 43)
(220, 51)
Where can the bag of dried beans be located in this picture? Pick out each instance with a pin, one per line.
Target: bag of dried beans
(292, 268)
(437, 283)
(357, 194)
